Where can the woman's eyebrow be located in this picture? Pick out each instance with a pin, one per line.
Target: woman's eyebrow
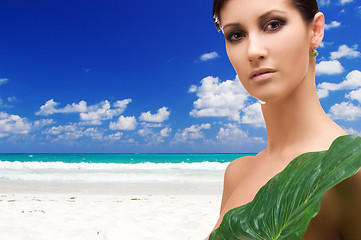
(267, 14)
(261, 18)
(231, 25)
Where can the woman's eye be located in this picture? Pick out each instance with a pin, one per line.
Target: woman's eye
(274, 25)
(235, 36)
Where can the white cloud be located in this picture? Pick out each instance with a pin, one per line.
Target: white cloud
(4, 105)
(144, 132)
(129, 141)
(60, 129)
(161, 116)
(209, 56)
(352, 131)
(165, 132)
(324, 2)
(72, 132)
(346, 111)
(122, 103)
(3, 81)
(13, 124)
(192, 132)
(103, 111)
(13, 99)
(329, 67)
(151, 137)
(151, 125)
(115, 136)
(232, 134)
(159, 136)
(74, 107)
(219, 99)
(124, 123)
(253, 115)
(346, 1)
(333, 24)
(352, 81)
(93, 133)
(192, 89)
(43, 122)
(345, 51)
(322, 93)
(326, 44)
(354, 95)
(93, 114)
(49, 108)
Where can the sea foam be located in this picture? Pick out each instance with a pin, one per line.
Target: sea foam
(106, 166)
(113, 172)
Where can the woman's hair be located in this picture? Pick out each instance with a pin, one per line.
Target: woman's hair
(307, 9)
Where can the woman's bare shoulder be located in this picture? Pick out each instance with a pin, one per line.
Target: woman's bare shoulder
(238, 167)
(349, 195)
(233, 175)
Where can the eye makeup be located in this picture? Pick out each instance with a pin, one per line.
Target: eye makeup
(271, 21)
(273, 25)
(235, 35)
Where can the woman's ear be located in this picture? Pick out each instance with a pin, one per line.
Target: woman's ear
(318, 27)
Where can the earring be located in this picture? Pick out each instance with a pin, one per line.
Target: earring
(314, 53)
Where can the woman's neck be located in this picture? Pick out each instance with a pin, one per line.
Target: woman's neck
(298, 123)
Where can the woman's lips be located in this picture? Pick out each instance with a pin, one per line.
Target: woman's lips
(262, 74)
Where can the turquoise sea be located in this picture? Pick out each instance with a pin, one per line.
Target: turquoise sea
(127, 168)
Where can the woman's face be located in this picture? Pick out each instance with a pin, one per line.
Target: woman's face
(268, 44)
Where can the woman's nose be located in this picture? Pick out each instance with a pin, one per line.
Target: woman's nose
(256, 49)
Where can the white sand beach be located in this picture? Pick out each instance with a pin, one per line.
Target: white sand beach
(39, 210)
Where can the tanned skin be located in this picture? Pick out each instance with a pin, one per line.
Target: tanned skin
(295, 121)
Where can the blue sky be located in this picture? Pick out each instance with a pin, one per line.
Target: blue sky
(146, 76)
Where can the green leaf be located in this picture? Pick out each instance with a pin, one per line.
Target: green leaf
(283, 208)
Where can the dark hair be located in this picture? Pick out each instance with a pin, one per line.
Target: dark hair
(307, 9)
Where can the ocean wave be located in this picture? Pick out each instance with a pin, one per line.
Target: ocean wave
(113, 172)
(16, 165)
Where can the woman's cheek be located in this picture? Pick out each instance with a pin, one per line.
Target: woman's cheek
(239, 65)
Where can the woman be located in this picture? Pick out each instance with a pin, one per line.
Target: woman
(272, 46)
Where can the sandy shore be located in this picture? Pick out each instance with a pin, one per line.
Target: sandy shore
(30, 210)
